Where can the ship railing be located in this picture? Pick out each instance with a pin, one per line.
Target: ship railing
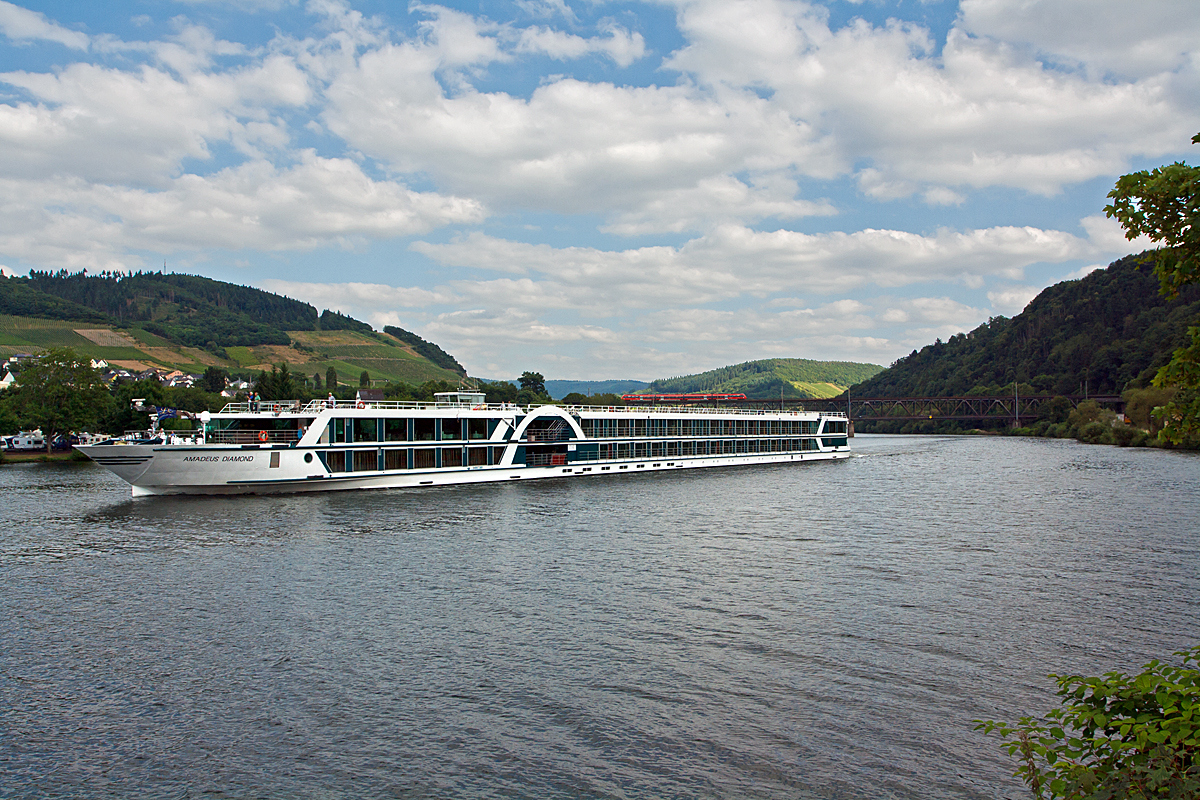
(545, 459)
(251, 437)
(314, 407)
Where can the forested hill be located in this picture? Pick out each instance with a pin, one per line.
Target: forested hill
(1111, 329)
(771, 377)
(427, 349)
(184, 309)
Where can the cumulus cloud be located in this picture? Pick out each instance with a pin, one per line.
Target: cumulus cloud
(258, 206)
(980, 113)
(1011, 300)
(735, 261)
(135, 128)
(619, 44)
(1105, 37)
(22, 25)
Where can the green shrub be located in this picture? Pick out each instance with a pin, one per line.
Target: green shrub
(1059, 430)
(1115, 736)
(1124, 435)
(1095, 433)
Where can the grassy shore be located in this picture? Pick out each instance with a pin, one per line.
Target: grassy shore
(8, 457)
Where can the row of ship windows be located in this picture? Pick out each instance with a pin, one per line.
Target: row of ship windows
(436, 457)
(607, 428)
(342, 430)
(712, 447)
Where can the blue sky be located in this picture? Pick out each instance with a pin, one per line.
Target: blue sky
(596, 189)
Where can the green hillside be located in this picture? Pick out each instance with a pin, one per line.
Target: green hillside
(189, 322)
(1111, 330)
(771, 377)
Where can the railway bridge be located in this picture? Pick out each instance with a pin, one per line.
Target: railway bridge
(1013, 408)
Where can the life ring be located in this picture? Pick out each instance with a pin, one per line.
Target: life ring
(361, 404)
(262, 436)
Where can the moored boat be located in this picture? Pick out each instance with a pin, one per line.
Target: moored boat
(324, 445)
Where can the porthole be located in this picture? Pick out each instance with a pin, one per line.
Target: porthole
(308, 458)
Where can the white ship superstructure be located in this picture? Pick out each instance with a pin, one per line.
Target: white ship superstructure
(325, 445)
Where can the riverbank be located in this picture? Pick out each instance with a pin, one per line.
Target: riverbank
(54, 457)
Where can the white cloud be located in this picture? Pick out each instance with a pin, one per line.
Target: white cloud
(1109, 237)
(1104, 36)
(22, 25)
(620, 45)
(316, 202)
(982, 113)
(369, 299)
(1011, 300)
(1083, 271)
(735, 262)
(136, 128)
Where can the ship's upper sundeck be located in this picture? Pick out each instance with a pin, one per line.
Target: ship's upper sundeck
(312, 408)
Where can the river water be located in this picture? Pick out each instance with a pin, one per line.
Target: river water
(816, 631)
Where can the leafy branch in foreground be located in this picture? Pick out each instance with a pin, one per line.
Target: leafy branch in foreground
(1164, 205)
(1115, 736)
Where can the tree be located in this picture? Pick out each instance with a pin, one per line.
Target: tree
(316, 381)
(364, 380)
(1115, 736)
(61, 393)
(534, 382)
(331, 379)
(499, 392)
(285, 385)
(265, 384)
(214, 380)
(1164, 205)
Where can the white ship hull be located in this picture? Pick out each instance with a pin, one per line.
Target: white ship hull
(167, 471)
(288, 449)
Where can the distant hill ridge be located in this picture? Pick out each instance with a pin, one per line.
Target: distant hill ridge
(1107, 331)
(772, 377)
(190, 322)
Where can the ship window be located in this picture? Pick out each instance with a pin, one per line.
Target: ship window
(477, 456)
(423, 459)
(275, 460)
(423, 430)
(451, 429)
(452, 457)
(395, 459)
(336, 459)
(366, 461)
(338, 424)
(477, 429)
(308, 458)
(366, 430)
(395, 430)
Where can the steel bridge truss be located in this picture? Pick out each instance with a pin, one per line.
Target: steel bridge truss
(950, 408)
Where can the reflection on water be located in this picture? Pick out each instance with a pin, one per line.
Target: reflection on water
(826, 630)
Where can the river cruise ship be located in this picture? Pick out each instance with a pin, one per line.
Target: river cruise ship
(322, 445)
